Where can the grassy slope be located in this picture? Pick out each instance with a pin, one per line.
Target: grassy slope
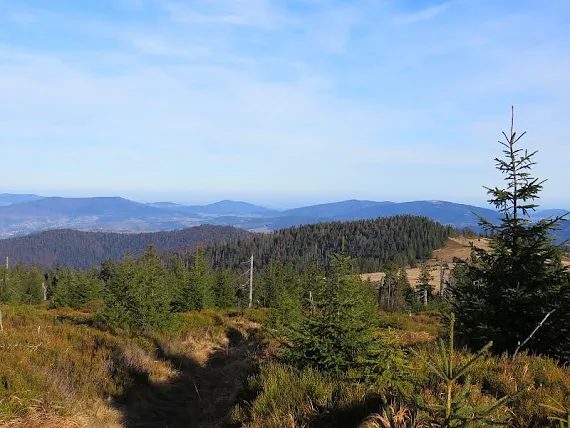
(285, 397)
(72, 374)
(58, 369)
(454, 248)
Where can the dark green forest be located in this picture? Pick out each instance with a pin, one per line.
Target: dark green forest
(401, 239)
(215, 276)
(373, 243)
(89, 249)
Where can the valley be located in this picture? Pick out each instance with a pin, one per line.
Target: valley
(26, 214)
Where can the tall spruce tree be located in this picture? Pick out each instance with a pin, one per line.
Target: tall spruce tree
(32, 290)
(288, 301)
(137, 294)
(62, 295)
(179, 279)
(224, 289)
(504, 293)
(198, 294)
(338, 334)
(5, 289)
(391, 293)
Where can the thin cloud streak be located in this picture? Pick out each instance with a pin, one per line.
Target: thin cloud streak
(258, 95)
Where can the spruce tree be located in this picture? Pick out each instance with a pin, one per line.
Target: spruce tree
(272, 280)
(150, 294)
(179, 281)
(387, 288)
(137, 294)
(198, 294)
(288, 301)
(5, 294)
(224, 289)
(423, 282)
(118, 310)
(503, 294)
(32, 291)
(63, 288)
(337, 335)
(411, 297)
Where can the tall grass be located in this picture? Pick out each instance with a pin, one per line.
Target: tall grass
(58, 363)
(285, 397)
(288, 397)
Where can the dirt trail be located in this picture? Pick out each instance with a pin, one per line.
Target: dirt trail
(201, 395)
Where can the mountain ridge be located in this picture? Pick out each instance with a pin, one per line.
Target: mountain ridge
(31, 213)
(16, 198)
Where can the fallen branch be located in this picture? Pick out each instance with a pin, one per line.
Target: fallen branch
(533, 332)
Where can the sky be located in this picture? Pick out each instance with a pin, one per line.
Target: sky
(280, 102)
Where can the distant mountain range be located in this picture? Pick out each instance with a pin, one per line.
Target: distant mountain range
(9, 199)
(25, 214)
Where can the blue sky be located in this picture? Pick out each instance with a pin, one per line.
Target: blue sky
(280, 102)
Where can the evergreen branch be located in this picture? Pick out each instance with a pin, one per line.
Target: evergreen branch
(478, 355)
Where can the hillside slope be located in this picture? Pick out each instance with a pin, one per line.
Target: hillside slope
(76, 375)
(85, 249)
(373, 242)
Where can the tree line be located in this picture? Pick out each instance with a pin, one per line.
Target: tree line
(143, 292)
(401, 239)
(83, 250)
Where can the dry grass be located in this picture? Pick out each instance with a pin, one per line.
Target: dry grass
(454, 248)
(400, 416)
(460, 248)
(285, 397)
(71, 374)
(57, 369)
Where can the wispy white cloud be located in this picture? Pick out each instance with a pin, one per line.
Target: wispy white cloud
(255, 13)
(423, 15)
(257, 94)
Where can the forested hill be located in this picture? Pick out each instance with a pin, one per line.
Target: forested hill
(403, 239)
(85, 249)
(373, 242)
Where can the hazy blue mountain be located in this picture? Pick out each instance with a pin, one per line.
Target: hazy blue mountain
(458, 215)
(113, 213)
(72, 207)
(227, 207)
(541, 214)
(164, 205)
(10, 198)
(564, 233)
(24, 216)
(333, 209)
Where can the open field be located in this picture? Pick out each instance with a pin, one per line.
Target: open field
(442, 260)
